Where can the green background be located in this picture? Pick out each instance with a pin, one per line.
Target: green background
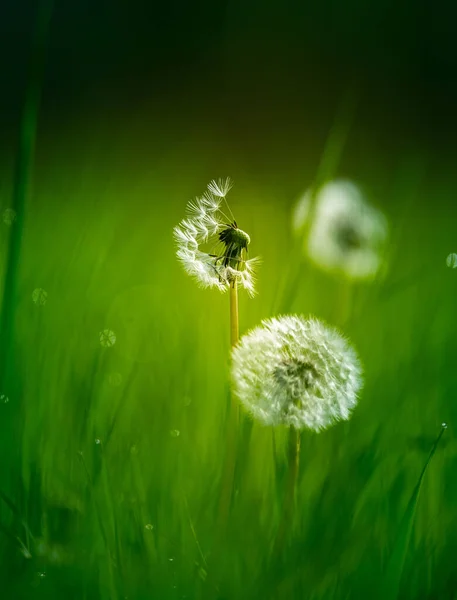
(142, 106)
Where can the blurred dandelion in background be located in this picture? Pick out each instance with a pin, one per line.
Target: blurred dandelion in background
(342, 232)
(9, 216)
(107, 338)
(451, 261)
(225, 258)
(296, 372)
(39, 296)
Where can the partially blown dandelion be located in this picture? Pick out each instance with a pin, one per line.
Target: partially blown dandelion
(346, 234)
(211, 246)
(213, 250)
(297, 372)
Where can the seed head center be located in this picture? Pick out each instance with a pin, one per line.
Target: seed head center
(348, 237)
(296, 375)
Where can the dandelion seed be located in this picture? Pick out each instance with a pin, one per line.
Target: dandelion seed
(220, 188)
(451, 261)
(9, 216)
(346, 234)
(107, 338)
(211, 246)
(39, 296)
(174, 433)
(296, 372)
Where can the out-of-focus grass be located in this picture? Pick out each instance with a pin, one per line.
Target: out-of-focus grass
(121, 506)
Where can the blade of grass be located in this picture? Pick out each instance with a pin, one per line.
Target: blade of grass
(390, 588)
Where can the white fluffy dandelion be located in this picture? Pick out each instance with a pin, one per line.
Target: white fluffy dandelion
(296, 372)
(210, 245)
(346, 234)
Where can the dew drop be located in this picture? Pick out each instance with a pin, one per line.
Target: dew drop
(39, 296)
(98, 441)
(9, 216)
(451, 260)
(107, 338)
(115, 379)
(149, 527)
(4, 399)
(174, 433)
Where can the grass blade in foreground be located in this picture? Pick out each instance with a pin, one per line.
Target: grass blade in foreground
(390, 587)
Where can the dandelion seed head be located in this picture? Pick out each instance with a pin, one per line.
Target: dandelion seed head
(346, 234)
(224, 259)
(296, 372)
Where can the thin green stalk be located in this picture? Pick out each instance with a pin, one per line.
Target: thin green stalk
(290, 491)
(9, 379)
(232, 424)
(22, 180)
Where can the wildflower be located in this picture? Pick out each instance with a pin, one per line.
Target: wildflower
(296, 372)
(346, 234)
(211, 246)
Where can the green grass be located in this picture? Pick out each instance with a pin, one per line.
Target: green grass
(98, 239)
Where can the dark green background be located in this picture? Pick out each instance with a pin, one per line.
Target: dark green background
(143, 104)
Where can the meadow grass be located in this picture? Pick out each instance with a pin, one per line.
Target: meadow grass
(111, 478)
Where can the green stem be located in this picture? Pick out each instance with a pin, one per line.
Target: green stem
(232, 425)
(22, 179)
(289, 498)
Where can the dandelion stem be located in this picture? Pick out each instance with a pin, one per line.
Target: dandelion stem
(234, 327)
(289, 498)
(233, 421)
